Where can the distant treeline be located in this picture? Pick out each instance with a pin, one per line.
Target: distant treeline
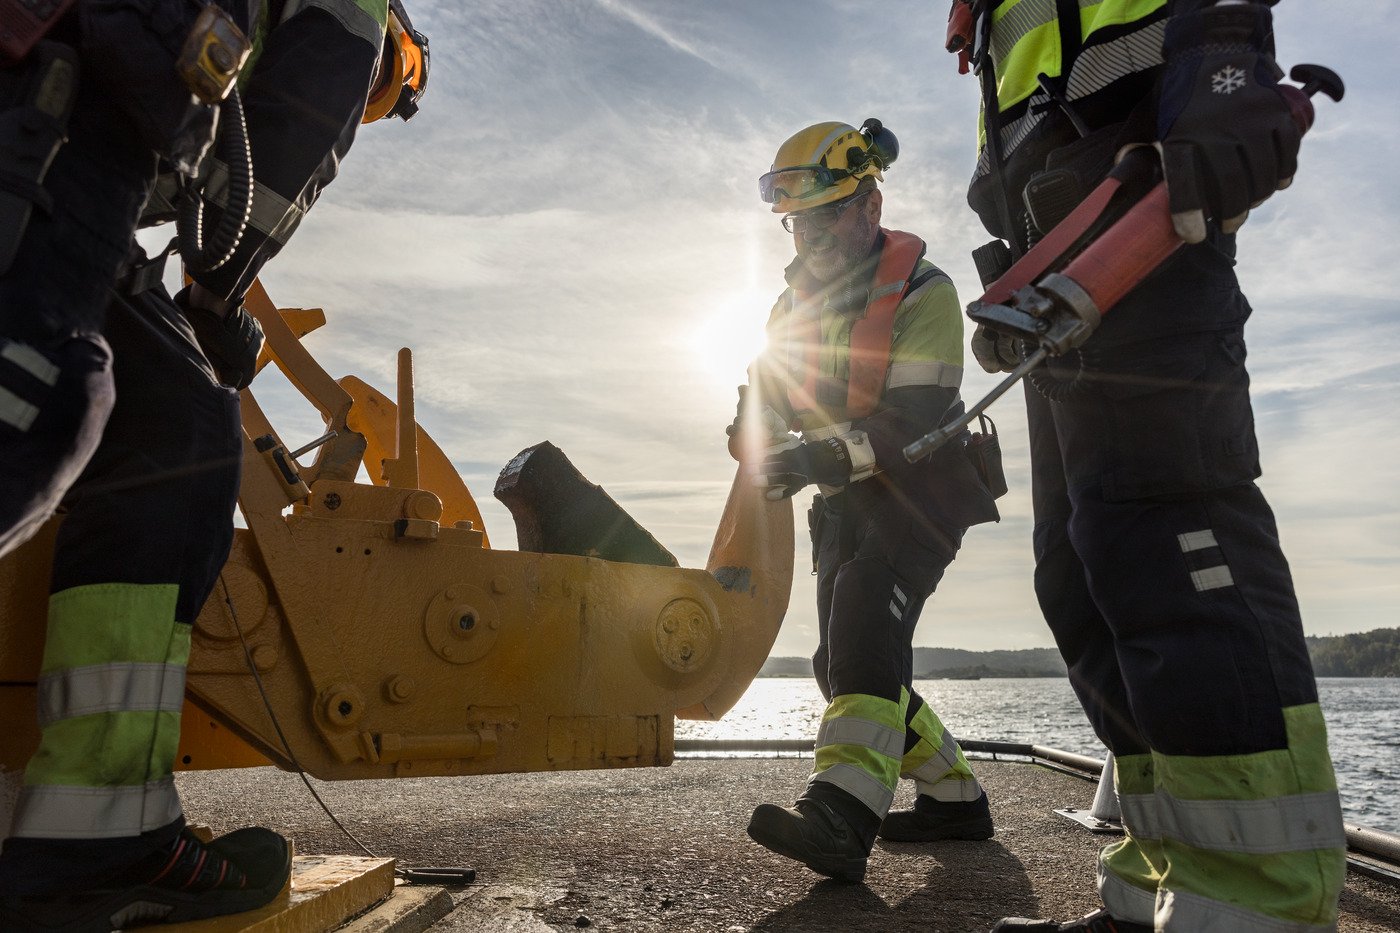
(951, 663)
(1366, 654)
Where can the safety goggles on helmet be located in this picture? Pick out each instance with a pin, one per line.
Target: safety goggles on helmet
(798, 181)
(402, 76)
(819, 218)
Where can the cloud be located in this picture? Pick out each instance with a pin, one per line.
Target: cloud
(569, 238)
(653, 28)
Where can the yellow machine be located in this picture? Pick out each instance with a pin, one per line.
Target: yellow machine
(393, 641)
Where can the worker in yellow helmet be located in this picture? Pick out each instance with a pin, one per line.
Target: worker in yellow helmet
(865, 354)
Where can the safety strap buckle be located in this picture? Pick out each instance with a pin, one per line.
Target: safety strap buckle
(146, 274)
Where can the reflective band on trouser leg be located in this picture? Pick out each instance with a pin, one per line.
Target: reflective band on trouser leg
(936, 761)
(1130, 870)
(110, 691)
(1253, 842)
(859, 746)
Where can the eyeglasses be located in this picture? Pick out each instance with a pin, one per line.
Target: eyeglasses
(820, 218)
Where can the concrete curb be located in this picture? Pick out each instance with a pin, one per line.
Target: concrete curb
(410, 909)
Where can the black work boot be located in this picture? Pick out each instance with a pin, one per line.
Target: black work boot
(1097, 922)
(931, 820)
(814, 834)
(190, 880)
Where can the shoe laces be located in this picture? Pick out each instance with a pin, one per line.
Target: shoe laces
(193, 866)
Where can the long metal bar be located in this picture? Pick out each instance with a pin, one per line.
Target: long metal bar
(940, 436)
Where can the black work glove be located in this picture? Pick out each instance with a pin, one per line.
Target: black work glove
(785, 471)
(231, 343)
(1227, 136)
(995, 352)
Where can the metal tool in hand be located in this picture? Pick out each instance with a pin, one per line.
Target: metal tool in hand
(1055, 295)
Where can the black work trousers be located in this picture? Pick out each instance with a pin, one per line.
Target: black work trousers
(153, 508)
(875, 553)
(1158, 565)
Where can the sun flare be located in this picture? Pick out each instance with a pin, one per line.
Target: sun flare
(728, 337)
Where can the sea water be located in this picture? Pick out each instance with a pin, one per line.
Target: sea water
(1363, 725)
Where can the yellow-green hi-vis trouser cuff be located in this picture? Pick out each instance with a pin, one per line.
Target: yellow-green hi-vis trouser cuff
(859, 746)
(110, 692)
(936, 761)
(1238, 842)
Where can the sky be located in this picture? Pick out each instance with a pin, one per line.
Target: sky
(569, 237)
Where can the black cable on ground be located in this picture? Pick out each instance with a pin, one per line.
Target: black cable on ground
(423, 875)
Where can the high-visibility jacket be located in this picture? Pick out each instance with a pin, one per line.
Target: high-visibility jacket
(830, 368)
(1102, 67)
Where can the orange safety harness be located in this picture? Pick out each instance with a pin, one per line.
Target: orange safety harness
(870, 336)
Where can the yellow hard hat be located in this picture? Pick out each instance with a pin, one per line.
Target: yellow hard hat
(825, 163)
(402, 76)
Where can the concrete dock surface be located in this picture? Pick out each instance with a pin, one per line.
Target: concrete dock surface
(665, 849)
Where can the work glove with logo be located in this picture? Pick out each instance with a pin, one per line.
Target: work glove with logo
(1227, 137)
(231, 343)
(995, 352)
(788, 467)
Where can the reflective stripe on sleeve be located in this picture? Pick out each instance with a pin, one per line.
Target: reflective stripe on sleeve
(110, 688)
(848, 730)
(925, 373)
(58, 812)
(860, 785)
(272, 215)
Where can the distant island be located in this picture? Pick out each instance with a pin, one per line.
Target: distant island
(950, 663)
(1364, 654)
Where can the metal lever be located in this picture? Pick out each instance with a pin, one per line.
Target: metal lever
(937, 438)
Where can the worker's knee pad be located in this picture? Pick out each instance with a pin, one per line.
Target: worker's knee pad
(54, 403)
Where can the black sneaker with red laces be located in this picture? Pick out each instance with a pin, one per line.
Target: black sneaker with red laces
(1100, 921)
(190, 880)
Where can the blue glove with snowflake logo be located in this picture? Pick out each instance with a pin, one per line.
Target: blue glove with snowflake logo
(1227, 136)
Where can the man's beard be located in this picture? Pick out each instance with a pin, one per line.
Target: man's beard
(838, 262)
